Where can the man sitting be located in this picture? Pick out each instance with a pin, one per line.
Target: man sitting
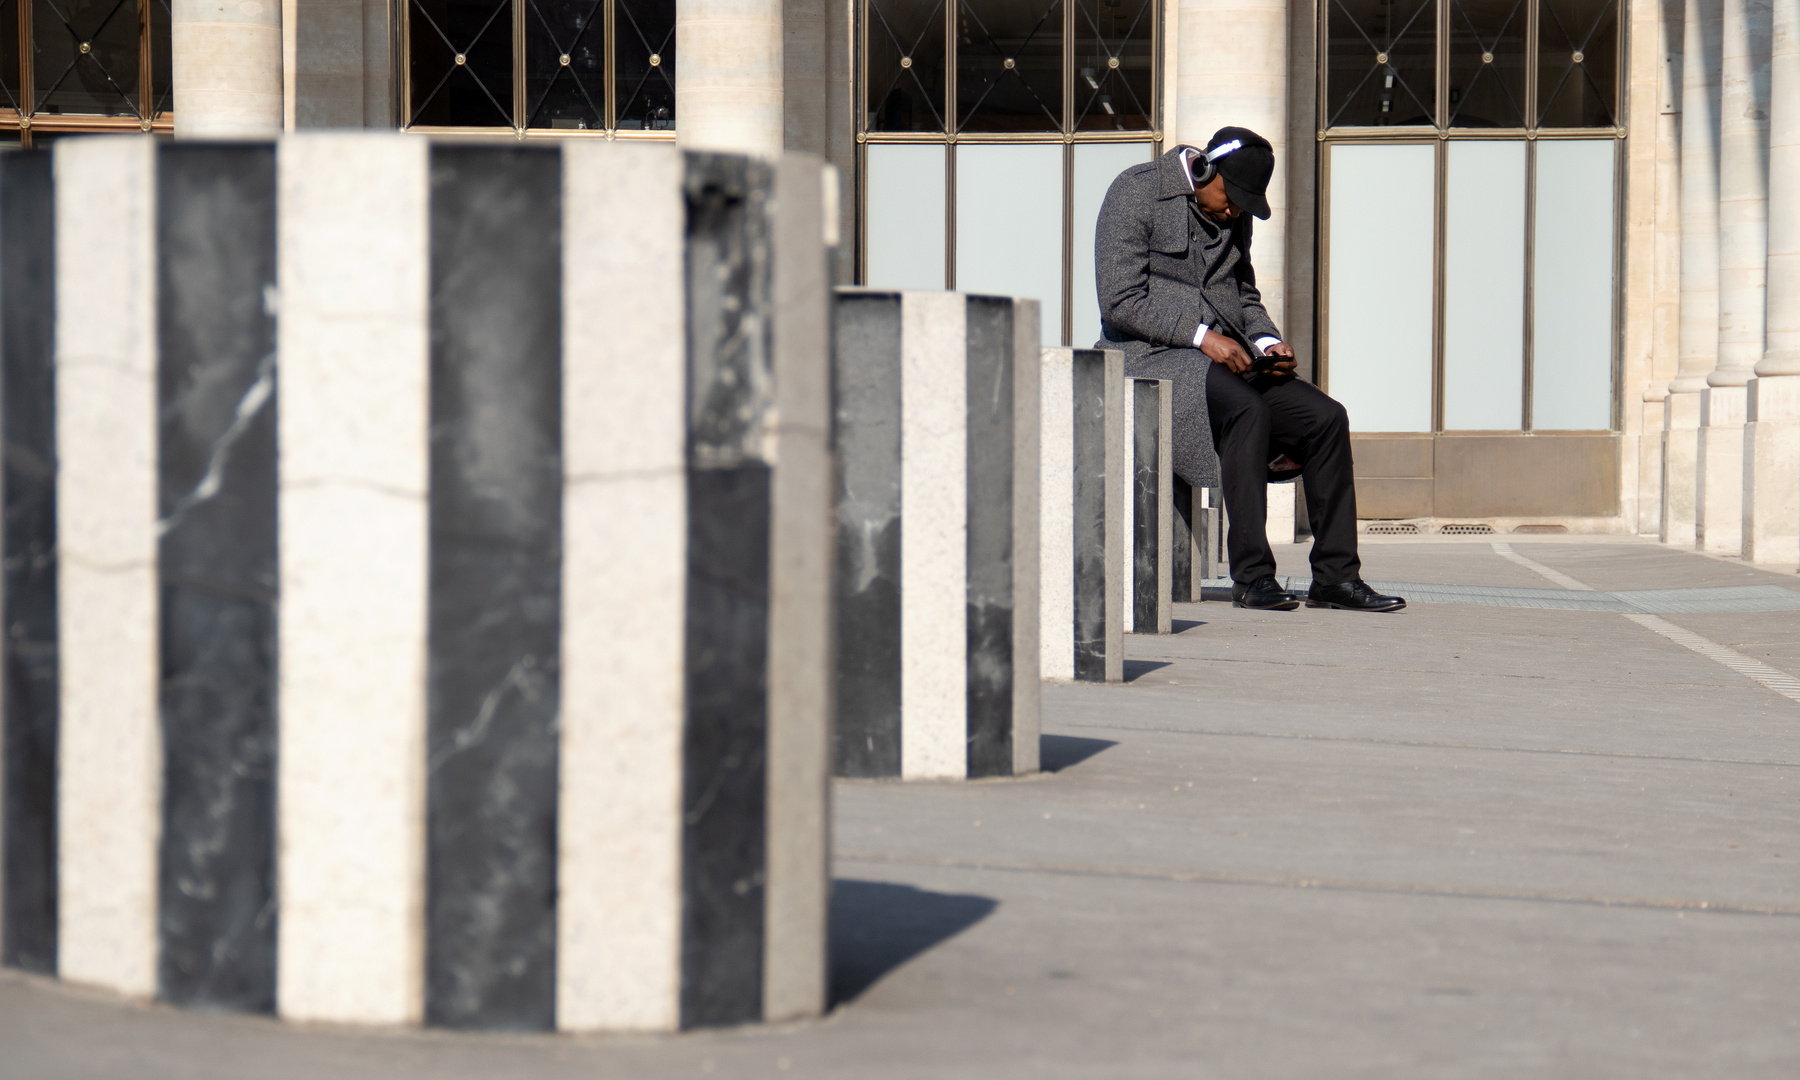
(1178, 296)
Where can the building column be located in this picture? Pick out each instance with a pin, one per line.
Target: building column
(728, 93)
(1231, 69)
(225, 62)
(1699, 266)
(1772, 439)
(1665, 347)
(1743, 244)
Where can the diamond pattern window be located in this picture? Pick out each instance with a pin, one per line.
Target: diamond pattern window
(83, 65)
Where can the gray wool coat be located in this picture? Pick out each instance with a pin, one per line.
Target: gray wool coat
(1162, 269)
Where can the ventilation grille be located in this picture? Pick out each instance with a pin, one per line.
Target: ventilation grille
(1392, 528)
(1466, 530)
(1542, 529)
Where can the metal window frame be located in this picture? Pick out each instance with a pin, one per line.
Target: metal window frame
(26, 120)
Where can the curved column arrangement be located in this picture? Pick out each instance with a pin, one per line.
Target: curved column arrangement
(937, 405)
(500, 475)
(225, 62)
(1772, 438)
(1232, 70)
(1699, 266)
(728, 96)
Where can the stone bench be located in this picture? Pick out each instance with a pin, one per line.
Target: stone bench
(428, 540)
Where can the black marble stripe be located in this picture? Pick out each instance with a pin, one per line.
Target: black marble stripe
(725, 736)
(494, 603)
(990, 535)
(866, 435)
(215, 226)
(29, 701)
(1145, 404)
(1183, 587)
(1089, 378)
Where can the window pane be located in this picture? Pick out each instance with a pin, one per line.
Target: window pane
(1578, 63)
(85, 56)
(1484, 286)
(644, 49)
(1487, 63)
(9, 54)
(1097, 165)
(462, 66)
(905, 65)
(161, 62)
(1381, 64)
(1572, 287)
(1113, 65)
(565, 64)
(906, 216)
(1379, 328)
(1009, 225)
(1009, 65)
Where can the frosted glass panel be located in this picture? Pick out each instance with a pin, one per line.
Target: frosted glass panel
(1572, 287)
(1097, 165)
(1484, 287)
(906, 217)
(1009, 225)
(1379, 334)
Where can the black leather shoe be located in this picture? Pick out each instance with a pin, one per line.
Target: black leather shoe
(1352, 596)
(1263, 594)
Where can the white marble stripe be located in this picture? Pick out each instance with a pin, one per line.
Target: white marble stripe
(109, 784)
(353, 341)
(624, 575)
(1027, 520)
(1056, 538)
(1165, 502)
(933, 535)
(1126, 497)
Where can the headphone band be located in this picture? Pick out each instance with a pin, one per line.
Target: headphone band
(1223, 149)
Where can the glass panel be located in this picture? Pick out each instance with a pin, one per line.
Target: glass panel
(1009, 65)
(1572, 287)
(1487, 63)
(1484, 286)
(906, 216)
(9, 54)
(644, 49)
(162, 85)
(85, 56)
(1381, 66)
(1009, 225)
(904, 67)
(1097, 165)
(565, 64)
(1578, 63)
(1379, 327)
(1113, 65)
(462, 63)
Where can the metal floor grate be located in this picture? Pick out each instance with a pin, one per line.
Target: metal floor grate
(1392, 528)
(1731, 599)
(1466, 530)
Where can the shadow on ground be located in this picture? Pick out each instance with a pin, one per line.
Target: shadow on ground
(1136, 668)
(877, 926)
(1178, 626)
(1058, 752)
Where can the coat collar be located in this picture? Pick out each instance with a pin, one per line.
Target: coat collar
(1172, 177)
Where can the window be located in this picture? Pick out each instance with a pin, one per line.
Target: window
(605, 66)
(83, 65)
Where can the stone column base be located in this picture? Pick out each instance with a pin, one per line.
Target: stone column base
(1680, 447)
(1771, 523)
(1719, 471)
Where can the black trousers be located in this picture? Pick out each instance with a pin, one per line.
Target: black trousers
(1252, 423)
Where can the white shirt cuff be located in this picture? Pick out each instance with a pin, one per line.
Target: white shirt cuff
(1199, 335)
(1267, 340)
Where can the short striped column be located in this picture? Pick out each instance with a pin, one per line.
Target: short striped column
(936, 400)
(1083, 536)
(1151, 508)
(1194, 545)
(439, 605)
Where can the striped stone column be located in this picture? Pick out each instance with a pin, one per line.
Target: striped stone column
(1082, 537)
(937, 409)
(1194, 544)
(513, 463)
(1152, 507)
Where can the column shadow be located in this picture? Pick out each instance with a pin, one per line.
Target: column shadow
(876, 926)
(1058, 752)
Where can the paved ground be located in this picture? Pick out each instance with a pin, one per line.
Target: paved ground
(1458, 841)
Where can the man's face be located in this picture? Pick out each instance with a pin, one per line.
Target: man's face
(1214, 203)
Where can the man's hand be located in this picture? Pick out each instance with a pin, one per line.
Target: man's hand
(1225, 351)
(1285, 365)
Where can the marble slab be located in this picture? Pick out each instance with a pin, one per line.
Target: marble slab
(1152, 505)
(1100, 541)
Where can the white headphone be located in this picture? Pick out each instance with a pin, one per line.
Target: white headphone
(1211, 168)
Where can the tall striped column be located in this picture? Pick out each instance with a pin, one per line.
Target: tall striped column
(514, 464)
(1151, 507)
(937, 412)
(1082, 532)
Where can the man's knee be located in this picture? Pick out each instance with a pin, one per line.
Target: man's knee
(1333, 417)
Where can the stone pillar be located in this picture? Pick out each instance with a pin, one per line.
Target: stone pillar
(1743, 245)
(1151, 453)
(226, 63)
(1666, 306)
(728, 87)
(1772, 439)
(1081, 534)
(1699, 268)
(1232, 70)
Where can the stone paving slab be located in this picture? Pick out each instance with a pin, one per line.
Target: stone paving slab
(1730, 598)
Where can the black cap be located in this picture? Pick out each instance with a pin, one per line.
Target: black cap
(1246, 169)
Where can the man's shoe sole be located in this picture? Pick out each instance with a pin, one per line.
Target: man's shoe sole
(1310, 602)
(1289, 606)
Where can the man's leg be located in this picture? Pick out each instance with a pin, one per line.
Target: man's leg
(1314, 429)
(1241, 431)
